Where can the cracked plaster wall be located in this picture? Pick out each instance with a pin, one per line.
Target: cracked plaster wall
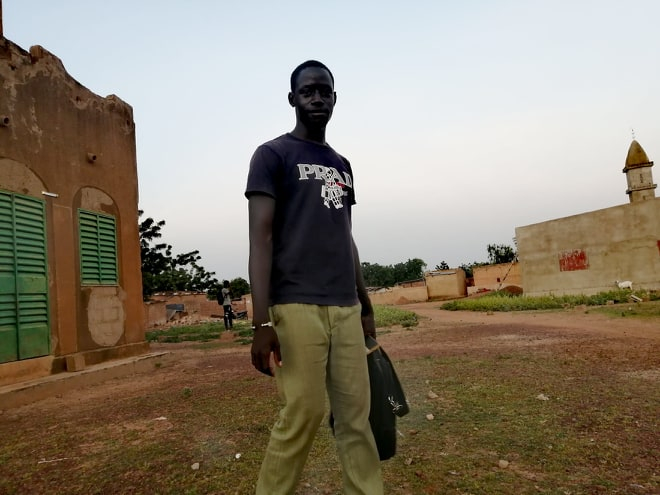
(52, 127)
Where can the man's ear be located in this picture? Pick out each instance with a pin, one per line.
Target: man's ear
(335, 95)
(291, 98)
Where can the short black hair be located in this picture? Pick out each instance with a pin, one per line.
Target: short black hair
(305, 65)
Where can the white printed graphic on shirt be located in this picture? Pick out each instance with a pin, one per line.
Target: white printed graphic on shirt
(332, 190)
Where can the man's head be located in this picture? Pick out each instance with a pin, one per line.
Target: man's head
(310, 63)
(312, 95)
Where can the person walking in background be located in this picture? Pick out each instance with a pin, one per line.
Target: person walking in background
(228, 312)
(311, 310)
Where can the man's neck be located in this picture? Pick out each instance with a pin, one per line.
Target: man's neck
(314, 135)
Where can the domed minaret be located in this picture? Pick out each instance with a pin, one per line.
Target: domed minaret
(638, 174)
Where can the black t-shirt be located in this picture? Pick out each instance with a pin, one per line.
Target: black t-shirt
(312, 242)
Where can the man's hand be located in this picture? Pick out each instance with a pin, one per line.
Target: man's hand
(369, 324)
(264, 343)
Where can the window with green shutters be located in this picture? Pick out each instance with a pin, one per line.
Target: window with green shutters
(98, 248)
(24, 315)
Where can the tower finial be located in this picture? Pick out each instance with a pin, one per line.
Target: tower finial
(633, 133)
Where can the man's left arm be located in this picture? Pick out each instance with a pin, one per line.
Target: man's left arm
(368, 322)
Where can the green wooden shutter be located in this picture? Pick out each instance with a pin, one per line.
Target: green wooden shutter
(24, 323)
(98, 248)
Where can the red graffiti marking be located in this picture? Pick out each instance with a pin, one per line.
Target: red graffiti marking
(570, 261)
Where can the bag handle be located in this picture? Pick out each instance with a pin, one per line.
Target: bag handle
(373, 349)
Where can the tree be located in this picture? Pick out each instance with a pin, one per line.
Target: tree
(500, 253)
(163, 272)
(376, 275)
(239, 286)
(413, 269)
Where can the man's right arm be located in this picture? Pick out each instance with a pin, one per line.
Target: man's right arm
(261, 211)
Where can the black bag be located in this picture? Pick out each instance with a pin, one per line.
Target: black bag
(387, 399)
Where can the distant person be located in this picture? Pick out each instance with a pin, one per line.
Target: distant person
(310, 304)
(228, 312)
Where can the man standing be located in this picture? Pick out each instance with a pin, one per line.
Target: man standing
(227, 311)
(310, 306)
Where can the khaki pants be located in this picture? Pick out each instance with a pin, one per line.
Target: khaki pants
(322, 349)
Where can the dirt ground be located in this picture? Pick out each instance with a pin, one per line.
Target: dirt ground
(512, 329)
(488, 332)
(634, 342)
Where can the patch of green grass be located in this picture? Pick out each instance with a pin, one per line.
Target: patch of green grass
(503, 301)
(387, 316)
(650, 309)
(244, 332)
(199, 332)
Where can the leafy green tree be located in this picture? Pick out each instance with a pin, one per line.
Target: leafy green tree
(161, 271)
(500, 253)
(376, 275)
(239, 287)
(413, 269)
(155, 256)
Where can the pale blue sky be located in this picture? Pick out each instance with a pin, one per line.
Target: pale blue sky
(462, 120)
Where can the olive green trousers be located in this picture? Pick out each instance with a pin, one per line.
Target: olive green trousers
(322, 350)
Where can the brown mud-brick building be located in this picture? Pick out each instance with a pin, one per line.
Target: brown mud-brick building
(589, 252)
(70, 280)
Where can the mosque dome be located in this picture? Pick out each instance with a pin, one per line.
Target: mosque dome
(636, 156)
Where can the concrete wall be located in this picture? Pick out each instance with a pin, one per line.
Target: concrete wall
(585, 254)
(399, 295)
(63, 139)
(439, 284)
(194, 304)
(446, 284)
(195, 307)
(247, 303)
(155, 313)
(495, 277)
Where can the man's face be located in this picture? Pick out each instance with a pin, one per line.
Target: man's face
(314, 97)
